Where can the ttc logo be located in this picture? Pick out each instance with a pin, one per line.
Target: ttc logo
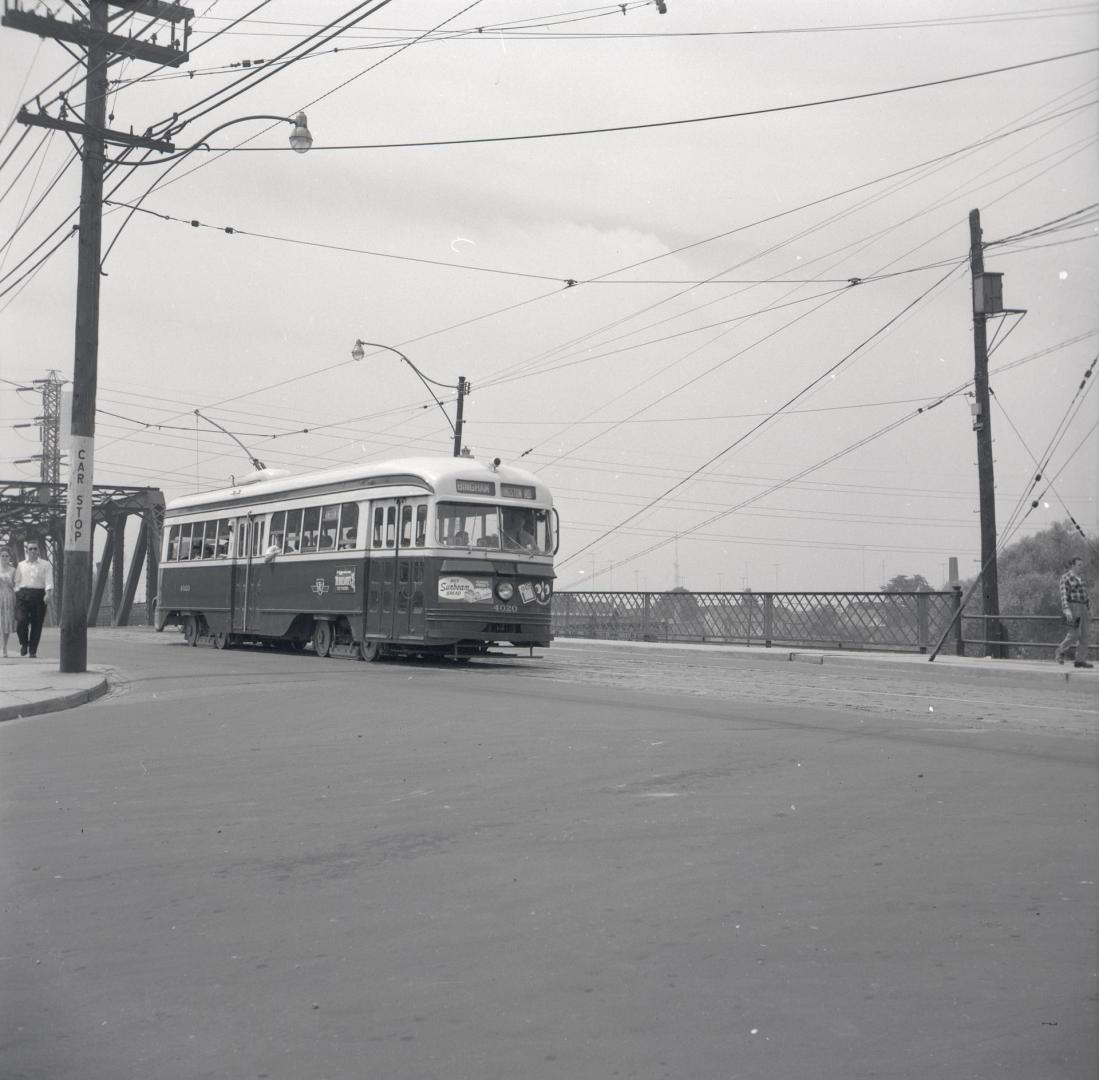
(320, 587)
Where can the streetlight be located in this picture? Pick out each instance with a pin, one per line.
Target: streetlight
(79, 508)
(300, 138)
(359, 351)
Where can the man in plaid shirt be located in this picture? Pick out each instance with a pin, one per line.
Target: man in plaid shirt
(1075, 606)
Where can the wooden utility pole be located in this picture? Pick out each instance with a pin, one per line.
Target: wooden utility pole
(986, 301)
(463, 389)
(79, 508)
(99, 44)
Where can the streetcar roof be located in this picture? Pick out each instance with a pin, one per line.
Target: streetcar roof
(383, 478)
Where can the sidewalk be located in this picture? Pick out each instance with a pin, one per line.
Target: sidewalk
(30, 687)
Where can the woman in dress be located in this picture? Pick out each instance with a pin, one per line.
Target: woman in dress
(7, 597)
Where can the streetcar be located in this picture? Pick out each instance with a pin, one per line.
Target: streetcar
(430, 556)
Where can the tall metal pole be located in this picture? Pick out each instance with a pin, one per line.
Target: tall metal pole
(462, 388)
(79, 524)
(982, 423)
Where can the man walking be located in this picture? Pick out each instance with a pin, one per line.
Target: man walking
(33, 585)
(1075, 606)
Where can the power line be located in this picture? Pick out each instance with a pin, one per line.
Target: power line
(343, 248)
(776, 412)
(699, 119)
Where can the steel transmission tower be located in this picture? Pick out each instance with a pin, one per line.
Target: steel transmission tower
(50, 428)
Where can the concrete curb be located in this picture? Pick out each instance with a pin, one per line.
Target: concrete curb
(57, 703)
(946, 665)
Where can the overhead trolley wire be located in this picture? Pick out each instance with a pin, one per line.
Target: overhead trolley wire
(814, 468)
(775, 413)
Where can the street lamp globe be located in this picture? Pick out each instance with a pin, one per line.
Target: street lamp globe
(300, 139)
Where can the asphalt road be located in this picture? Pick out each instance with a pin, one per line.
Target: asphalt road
(606, 863)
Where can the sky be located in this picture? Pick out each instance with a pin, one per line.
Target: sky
(706, 271)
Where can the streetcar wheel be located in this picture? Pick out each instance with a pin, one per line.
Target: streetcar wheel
(222, 640)
(190, 630)
(370, 650)
(322, 638)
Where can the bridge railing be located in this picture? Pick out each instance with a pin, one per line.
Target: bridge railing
(877, 621)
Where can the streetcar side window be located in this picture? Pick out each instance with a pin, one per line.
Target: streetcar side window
(406, 525)
(173, 544)
(242, 534)
(421, 524)
(277, 531)
(310, 528)
(330, 527)
(223, 536)
(184, 552)
(210, 540)
(349, 526)
(257, 537)
(196, 540)
(390, 526)
(293, 531)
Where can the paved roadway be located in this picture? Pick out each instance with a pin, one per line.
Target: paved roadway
(610, 862)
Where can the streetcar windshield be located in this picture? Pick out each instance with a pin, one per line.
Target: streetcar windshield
(481, 525)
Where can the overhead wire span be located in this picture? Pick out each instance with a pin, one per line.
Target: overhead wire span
(769, 110)
(346, 249)
(590, 464)
(1058, 435)
(942, 160)
(615, 9)
(176, 127)
(255, 76)
(775, 413)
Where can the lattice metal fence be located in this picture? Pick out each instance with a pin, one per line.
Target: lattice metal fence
(898, 622)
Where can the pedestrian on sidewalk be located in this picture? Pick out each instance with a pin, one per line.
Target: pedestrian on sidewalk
(1076, 607)
(33, 585)
(7, 597)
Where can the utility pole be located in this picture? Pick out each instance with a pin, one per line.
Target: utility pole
(99, 45)
(463, 389)
(987, 300)
(79, 507)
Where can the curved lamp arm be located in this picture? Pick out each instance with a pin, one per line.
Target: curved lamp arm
(300, 138)
(358, 352)
(300, 133)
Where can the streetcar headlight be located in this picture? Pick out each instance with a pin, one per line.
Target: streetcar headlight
(505, 590)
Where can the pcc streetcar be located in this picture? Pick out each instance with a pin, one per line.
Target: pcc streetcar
(417, 555)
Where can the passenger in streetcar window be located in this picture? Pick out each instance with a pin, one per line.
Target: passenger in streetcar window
(460, 538)
(292, 545)
(274, 548)
(349, 520)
